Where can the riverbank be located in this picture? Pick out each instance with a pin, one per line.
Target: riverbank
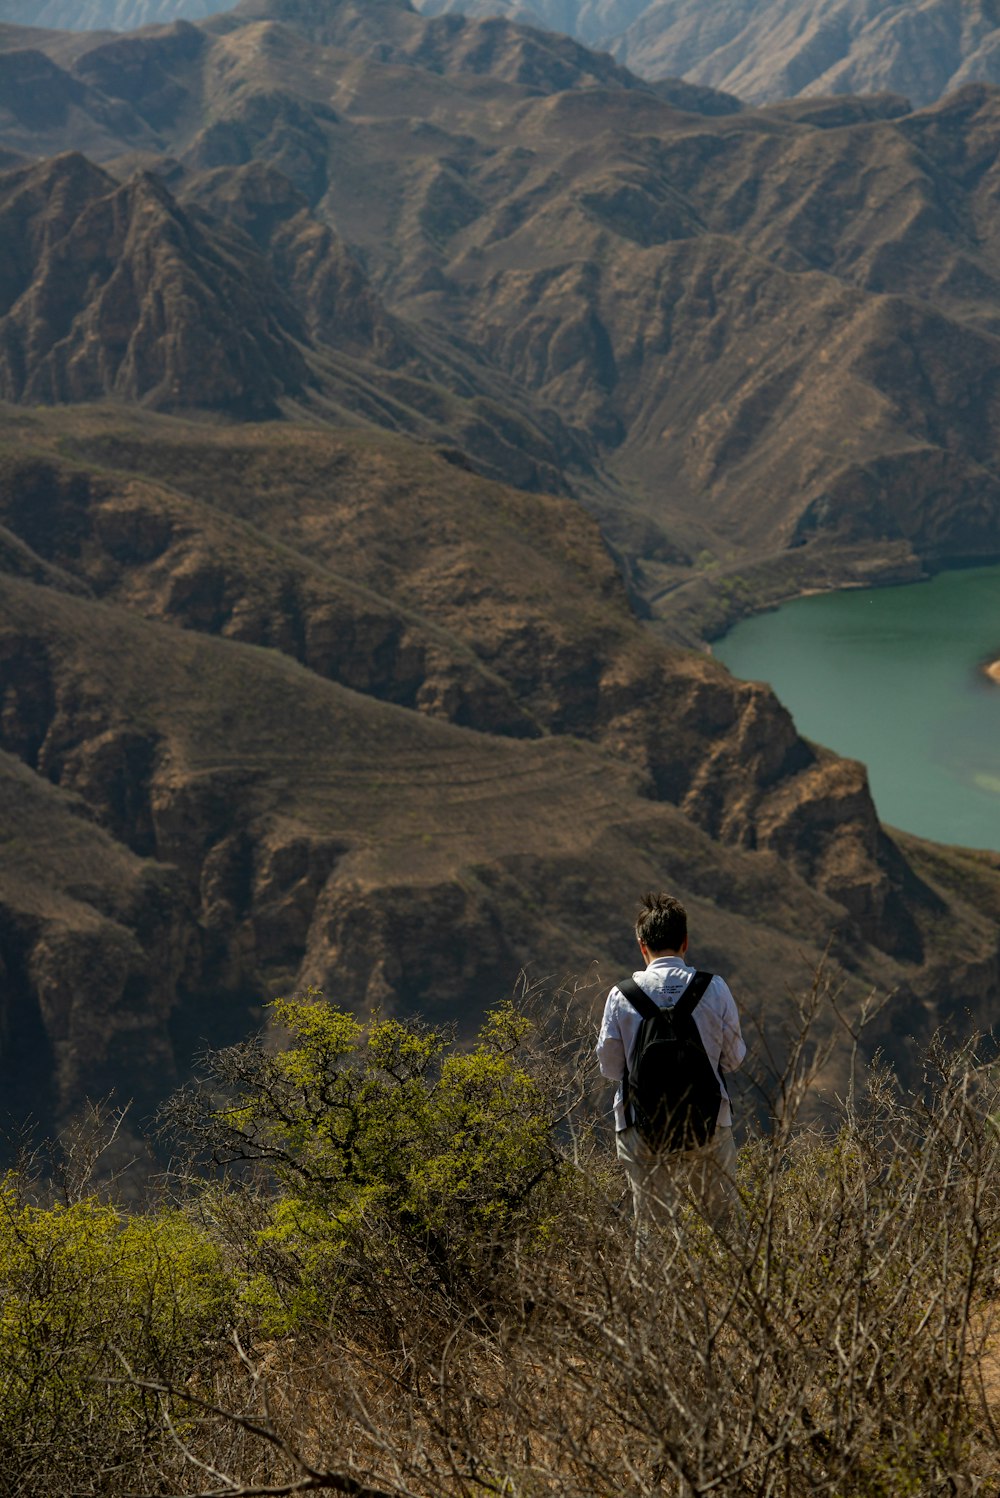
(695, 610)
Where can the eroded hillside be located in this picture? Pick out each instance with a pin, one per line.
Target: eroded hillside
(761, 346)
(285, 706)
(758, 50)
(762, 50)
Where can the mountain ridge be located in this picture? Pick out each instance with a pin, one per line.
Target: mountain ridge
(757, 52)
(471, 240)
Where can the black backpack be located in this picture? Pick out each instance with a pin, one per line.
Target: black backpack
(671, 1094)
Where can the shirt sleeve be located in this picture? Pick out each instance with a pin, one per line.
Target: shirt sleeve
(733, 1045)
(610, 1050)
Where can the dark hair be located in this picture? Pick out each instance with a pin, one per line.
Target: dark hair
(662, 923)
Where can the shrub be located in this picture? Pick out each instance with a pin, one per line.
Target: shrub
(385, 1145)
(90, 1302)
(440, 1293)
(832, 1341)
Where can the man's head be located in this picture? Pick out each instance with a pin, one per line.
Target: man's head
(661, 925)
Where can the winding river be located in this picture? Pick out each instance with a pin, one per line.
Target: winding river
(896, 677)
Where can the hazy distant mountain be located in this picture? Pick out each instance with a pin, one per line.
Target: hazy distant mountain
(775, 49)
(758, 50)
(598, 23)
(104, 15)
(769, 49)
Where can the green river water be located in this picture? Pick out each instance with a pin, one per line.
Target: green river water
(893, 677)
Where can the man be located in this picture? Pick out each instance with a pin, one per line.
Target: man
(660, 1178)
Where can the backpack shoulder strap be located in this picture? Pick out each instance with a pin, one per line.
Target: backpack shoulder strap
(692, 995)
(637, 997)
(646, 1009)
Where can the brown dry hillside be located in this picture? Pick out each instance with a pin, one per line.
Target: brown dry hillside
(122, 290)
(761, 344)
(763, 50)
(760, 50)
(236, 666)
(780, 48)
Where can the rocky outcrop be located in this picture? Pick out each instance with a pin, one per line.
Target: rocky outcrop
(96, 943)
(113, 290)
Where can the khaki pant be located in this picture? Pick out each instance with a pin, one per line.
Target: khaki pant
(665, 1181)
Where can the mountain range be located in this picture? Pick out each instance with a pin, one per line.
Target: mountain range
(393, 407)
(763, 50)
(759, 50)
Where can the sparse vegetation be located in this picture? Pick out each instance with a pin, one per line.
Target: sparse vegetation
(95, 1301)
(415, 1276)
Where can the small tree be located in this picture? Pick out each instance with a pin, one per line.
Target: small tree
(374, 1148)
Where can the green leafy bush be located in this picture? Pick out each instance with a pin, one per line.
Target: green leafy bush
(389, 1146)
(91, 1303)
(840, 1336)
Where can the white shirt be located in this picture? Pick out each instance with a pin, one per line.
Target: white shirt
(664, 980)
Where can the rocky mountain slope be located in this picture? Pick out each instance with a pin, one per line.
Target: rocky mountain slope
(763, 50)
(280, 705)
(758, 50)
(773, 332)
(362, 377)
(923, 49)
(105, 15)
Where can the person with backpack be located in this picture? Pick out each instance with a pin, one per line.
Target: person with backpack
(668, 1037)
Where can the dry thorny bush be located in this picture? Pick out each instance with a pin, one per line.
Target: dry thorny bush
(834, 1339)
(837, 1338)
